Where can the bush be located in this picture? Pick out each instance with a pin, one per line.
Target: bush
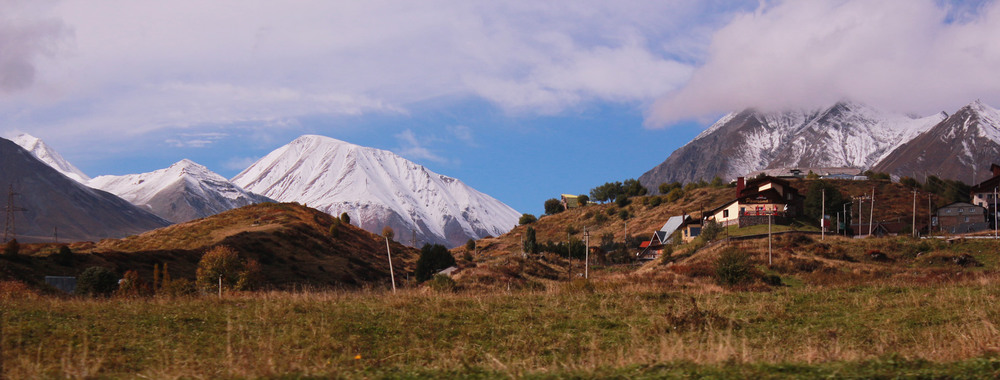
(622, 200)
(711, 231)
(654, 201)
(553, 206)
(733, 268)
(223, 261)
(600, 218)
(527, 219)
(442, 283)
(470, 245)
(623, 214)
(12, 248)
(346, 219)
(388, 233)
(96, 281)
(433, 258)
(178, 288)
(132, 285)
(64, 257)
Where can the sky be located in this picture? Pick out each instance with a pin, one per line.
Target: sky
(522, 100)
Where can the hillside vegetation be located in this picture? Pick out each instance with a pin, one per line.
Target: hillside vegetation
(295, 245)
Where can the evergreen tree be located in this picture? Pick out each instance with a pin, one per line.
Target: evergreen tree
(530, 244)
(433, 258)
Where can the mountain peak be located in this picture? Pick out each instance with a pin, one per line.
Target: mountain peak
(377, 188)
(49, 156)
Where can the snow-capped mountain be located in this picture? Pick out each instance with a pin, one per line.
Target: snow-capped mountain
(961, 147)
(46, 154)
(179, 193)
(377, 188)
(846, 134)
(51, 204)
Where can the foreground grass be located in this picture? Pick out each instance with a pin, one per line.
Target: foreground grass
(860, 331)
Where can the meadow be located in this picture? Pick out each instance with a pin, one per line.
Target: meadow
(885, 328)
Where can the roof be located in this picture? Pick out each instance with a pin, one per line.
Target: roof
(987, 186)
(570, 196)
(672, 224)
(958, 204)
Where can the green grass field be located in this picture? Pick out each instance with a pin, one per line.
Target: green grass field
(884, 329)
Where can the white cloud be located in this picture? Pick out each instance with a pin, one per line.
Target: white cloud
(134, 67)
(26, 36)
(903, 55)
(195, 140)
(414, 149)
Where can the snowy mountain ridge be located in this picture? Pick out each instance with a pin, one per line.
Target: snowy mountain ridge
(181, 192)
(46, 154)
(377, 188)
(846, 134)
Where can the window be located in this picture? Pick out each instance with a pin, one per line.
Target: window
(725, 213)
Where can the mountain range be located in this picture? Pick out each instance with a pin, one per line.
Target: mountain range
(377, 188)
(846, 134)
(47, 205)
(182, 192)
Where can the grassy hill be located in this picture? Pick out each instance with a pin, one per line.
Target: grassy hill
(293, 244)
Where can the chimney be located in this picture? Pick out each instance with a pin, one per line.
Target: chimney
(740, 184)
(995, 169)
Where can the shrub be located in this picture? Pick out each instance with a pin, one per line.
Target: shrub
(346, 219)
(654, 201)
(132, 285)
(470, 245)
(178, 288)
(222, 261)
(96, 281)
(64, 257)
(12, 248)
(600, 218)
(433, 258)
(623, 214)
(553, 206)
(527, 219)
(442, 283)
(622, 200)
(388, 233)
(711, 231)
(733, 268)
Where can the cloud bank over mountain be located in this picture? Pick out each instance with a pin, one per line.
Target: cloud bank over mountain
(918, 56)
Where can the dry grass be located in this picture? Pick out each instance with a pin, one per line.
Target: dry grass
(566, 328)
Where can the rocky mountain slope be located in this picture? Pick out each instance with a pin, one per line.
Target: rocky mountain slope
(377, 188)
(179, 193)
(53, 204)
(846, 134)
(961, 147)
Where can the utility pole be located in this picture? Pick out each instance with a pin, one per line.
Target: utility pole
(995, 212)
(9, 232)
(861, 215)
(871, 215)
(769, 240)
(392, 277)
(913, 226)
(930, 219)
(822, 218)
(586, 238)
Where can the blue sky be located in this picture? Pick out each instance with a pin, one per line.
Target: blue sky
(521, 100)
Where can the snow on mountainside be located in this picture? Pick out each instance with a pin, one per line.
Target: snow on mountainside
(377, 188)
(846, 134)
(46, 154)
(961, 147)
(181, 192)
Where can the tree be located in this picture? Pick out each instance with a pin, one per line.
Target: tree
(96, 281)
(717, 183)
(710, 231)
(223, 261)
(470, 245)
(388, 233)
(433, 258)
(733, 267)
(12, 248)
(583, 199)
(632, 188)
(65, 256)
(606, 192)
(666, 188)
(813, 204)
(530, 244)
(132, 285)
(553, 206)
(346, 219)
(527, 219)
(909, 182)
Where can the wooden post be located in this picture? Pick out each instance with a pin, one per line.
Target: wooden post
(392, 277)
